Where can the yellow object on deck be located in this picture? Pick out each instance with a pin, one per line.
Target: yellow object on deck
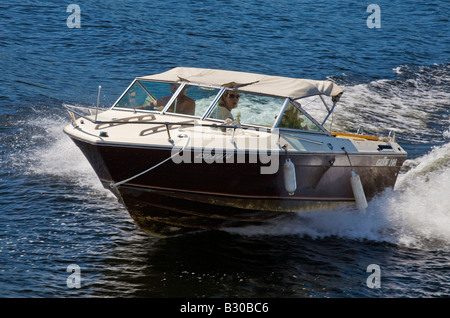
(354, 136)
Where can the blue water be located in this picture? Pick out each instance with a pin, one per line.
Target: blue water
(54, 212)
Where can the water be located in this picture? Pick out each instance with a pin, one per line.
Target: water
(54, 211)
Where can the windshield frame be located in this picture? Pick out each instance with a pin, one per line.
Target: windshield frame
(304, 112)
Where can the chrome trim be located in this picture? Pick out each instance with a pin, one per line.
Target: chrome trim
(174, 96)
(280, 114)
(213, 103)
(128, 88)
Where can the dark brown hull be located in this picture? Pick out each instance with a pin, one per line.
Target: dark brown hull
(175, 198)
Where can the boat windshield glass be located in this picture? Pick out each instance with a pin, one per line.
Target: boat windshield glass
(198, 97)
(146, 95)
(139, 97)
(294, 118)
(247, 108)
(242, 107)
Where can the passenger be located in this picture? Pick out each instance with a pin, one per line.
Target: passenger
(134, 100)
(227, 102)
(181, 105)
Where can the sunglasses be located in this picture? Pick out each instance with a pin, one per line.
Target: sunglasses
(234, 96)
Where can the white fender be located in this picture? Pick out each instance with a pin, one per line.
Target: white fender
(290, 181)
(358, 191)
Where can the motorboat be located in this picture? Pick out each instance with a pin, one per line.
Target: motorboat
(194, 149)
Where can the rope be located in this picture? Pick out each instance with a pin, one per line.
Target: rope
(115, 185)
(331, 124)
(348, 157)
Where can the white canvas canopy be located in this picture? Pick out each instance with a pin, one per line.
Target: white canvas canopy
(250, 82)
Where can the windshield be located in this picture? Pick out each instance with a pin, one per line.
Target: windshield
(239, 107)
(294, 118)
(247, 108)
(168, 97)
(138, 97)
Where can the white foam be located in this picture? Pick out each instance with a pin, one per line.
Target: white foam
(446, 134)
(398, 70)
(59, 156)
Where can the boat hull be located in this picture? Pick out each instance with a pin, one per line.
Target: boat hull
(198, 194)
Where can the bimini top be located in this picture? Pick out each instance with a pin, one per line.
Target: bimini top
(249, 82)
